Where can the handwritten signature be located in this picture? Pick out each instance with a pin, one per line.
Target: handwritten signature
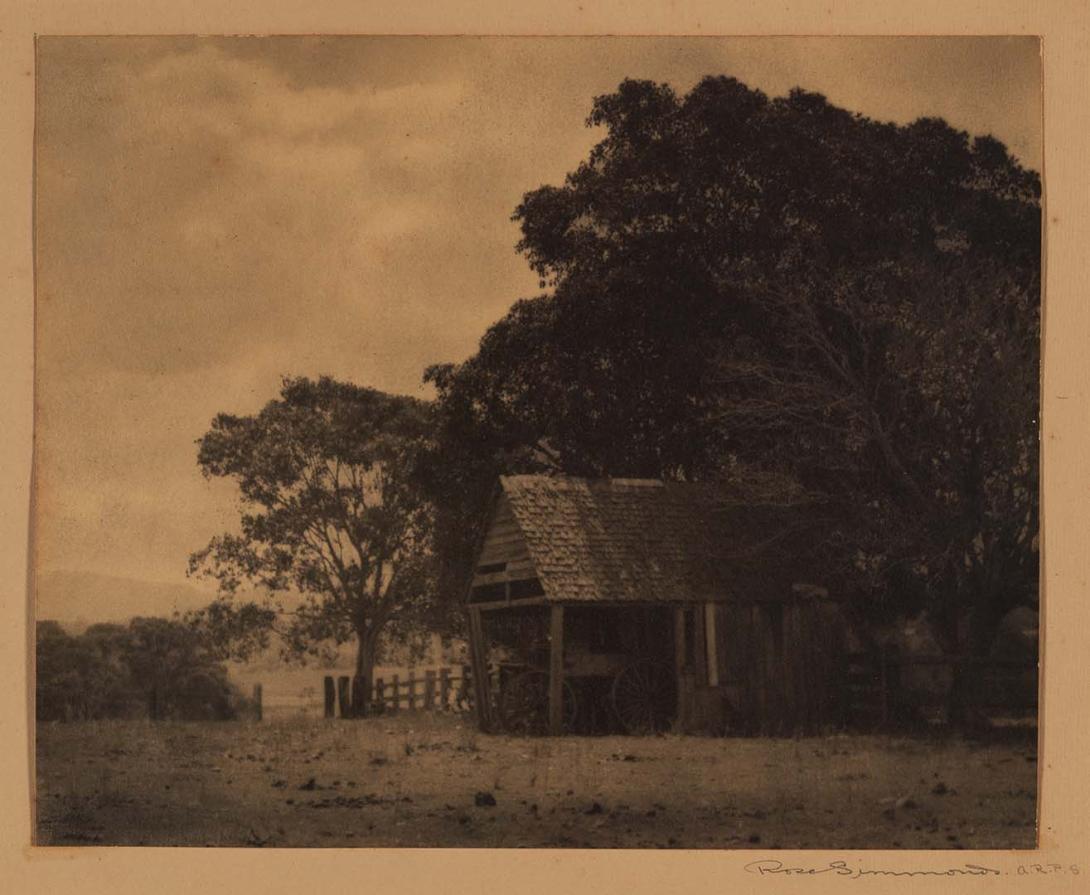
(841, 868)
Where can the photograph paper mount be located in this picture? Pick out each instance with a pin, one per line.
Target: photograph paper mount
(1060, 873)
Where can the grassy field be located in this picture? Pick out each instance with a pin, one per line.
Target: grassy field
(419, 780)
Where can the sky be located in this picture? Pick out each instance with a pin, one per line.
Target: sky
(214, 214)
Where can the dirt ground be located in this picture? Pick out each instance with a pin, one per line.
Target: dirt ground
(419, 780)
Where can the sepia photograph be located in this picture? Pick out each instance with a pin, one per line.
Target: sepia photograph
(537, 442)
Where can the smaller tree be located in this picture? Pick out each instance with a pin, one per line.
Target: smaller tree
(172, 664)
(330, 511)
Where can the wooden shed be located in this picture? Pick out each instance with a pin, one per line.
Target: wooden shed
(637, 606)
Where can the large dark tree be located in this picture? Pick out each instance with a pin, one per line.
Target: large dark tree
(330, 512)
(781, 290)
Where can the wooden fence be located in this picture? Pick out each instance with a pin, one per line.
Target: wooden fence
(435, 690)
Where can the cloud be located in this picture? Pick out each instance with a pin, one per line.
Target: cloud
(206, 200)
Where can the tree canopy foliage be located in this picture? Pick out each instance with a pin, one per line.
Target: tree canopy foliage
(151, 667)
(330, 512)
(783, 291)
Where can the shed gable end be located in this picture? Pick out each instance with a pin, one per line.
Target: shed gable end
(504, 569)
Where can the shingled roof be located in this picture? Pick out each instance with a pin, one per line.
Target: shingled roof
(643, 540)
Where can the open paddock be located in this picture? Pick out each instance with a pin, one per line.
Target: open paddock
(429, 780)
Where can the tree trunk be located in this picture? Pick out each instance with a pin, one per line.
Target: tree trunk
(982, 624)
(363, 682)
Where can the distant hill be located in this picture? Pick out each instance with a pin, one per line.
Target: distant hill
(78, 599)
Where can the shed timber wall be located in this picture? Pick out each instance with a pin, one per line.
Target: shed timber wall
(781, 666)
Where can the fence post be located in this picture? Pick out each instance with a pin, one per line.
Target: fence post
(429, 690)
(463, 687)
(330, 693)
(344, 696)
(257, 702)
(412, 689)
(444, 688)
(396, 704)
(380, 695)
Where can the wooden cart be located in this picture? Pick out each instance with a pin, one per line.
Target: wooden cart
(636, 688)
(642, 696)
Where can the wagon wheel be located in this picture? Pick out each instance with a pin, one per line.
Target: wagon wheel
(524, 704)
(645, 697)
